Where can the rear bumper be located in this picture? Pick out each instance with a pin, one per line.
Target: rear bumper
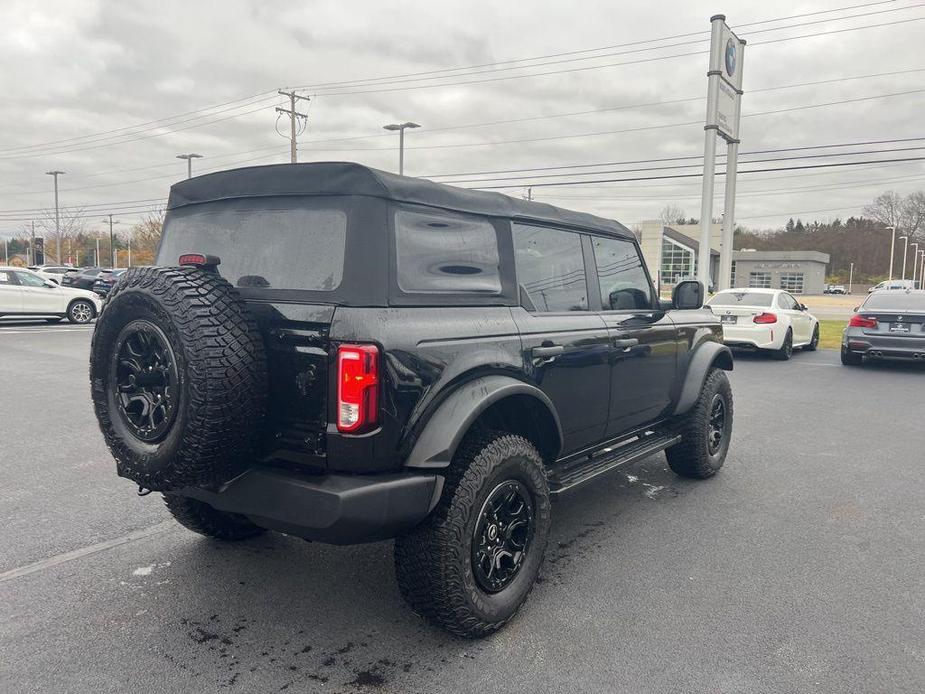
(752, 336)
(338, 509)
(883, 346)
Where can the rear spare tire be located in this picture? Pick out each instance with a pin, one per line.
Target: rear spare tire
(178, 378)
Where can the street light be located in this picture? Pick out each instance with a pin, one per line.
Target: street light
(189, 162)
(905, 253)
(850, 277)
(400, 127)
(892, 248)
(57, 173)
(922, 269)
(915, 264)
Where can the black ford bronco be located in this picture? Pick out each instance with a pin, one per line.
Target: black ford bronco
(346, 355)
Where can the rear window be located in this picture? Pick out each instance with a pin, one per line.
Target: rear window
(263, 248)
(441, 253)
(895, 301)
(757, 299)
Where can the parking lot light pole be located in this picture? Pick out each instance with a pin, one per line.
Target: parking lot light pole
(892, 249)
(905, 253)
(915, 263)
(850, 277)
(400, 127)
(112, 245)
(189, 162)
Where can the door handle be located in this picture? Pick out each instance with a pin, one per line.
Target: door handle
(548, 351)
(625, 343)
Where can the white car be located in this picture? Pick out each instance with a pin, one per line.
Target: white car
(765, 319)
(25, 293)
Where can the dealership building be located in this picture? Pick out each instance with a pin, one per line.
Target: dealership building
(671, 254)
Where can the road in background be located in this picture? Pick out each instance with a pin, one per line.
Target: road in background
(800, 567)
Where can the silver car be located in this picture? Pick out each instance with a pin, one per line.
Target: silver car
(888, 325)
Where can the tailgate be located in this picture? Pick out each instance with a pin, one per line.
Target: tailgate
(296, 341)
(896, 323)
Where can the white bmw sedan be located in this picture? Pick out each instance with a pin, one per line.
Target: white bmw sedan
(25, 293)
(765, 319)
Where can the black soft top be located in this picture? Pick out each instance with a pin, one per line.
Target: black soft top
(348, 178)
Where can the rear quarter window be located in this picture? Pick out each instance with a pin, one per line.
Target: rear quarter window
(442, 253)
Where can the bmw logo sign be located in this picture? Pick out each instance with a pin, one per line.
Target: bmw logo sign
(730, 57)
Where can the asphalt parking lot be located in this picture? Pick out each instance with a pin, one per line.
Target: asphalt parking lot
(799, 568)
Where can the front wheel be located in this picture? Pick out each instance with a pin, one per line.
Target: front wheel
(81, 311)
(471, 565)
(705, 430)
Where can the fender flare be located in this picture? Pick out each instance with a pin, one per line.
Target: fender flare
(447, 426)
(706, 356)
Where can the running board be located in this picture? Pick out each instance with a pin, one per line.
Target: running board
(574, 474)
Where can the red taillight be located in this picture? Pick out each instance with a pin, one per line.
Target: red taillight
(859, 321)
(357, 387)
(765, 318)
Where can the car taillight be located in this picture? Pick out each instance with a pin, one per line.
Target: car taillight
(764, 318)
(859, 321)
(357, 387)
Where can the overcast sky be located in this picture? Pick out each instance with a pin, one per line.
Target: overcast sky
(74, 71)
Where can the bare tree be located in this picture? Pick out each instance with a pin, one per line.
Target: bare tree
(72, 221)
(671, 214)
(905, 214)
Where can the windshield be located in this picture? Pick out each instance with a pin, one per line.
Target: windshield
(276, 248)
(743, 298)
(895, 301)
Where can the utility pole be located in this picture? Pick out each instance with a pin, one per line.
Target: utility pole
(97, 257)
(293, 114)
(892, 249)
(32, 243)
(915, 264)
(6, 252)
(189, 162)
(905, 253)
(57, 173)
(529, 195)
(850, 277)
(401, 127)
(112, 243)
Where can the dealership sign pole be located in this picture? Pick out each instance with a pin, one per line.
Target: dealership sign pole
(724, 102)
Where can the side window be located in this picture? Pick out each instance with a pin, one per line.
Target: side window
(550, 268)
(787, 302)
(447, 254)
(624, 285)
(5, 278)
(29, 280)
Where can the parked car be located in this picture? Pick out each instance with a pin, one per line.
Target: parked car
(888, 325)
(765, 319)
(83, 279)
(106, 281)
(835, 289)
(25, 293)
(892, 285)
(51, 272)
(413, 360)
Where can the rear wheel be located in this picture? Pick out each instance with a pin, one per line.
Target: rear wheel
(814, 342)
(203, 519)
(786, 349)
(705, 430)
(80, 311)
(850, 358)
(471, 565)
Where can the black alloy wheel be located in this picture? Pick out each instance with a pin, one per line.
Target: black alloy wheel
(145, 380)
(717, 424)
(502, 536)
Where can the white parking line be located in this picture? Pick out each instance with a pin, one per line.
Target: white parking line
(85, 551)
(46, 331)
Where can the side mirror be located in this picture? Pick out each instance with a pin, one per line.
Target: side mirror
(687, 295)
(856, 309)
(50, 284)
(803, 307)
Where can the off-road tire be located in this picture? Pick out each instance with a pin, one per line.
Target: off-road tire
(691, 456)
(220, 394)
(433, 563)
(814, 341)
(201, 518)
(850, 358)
(786, 350)
(78, 309)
